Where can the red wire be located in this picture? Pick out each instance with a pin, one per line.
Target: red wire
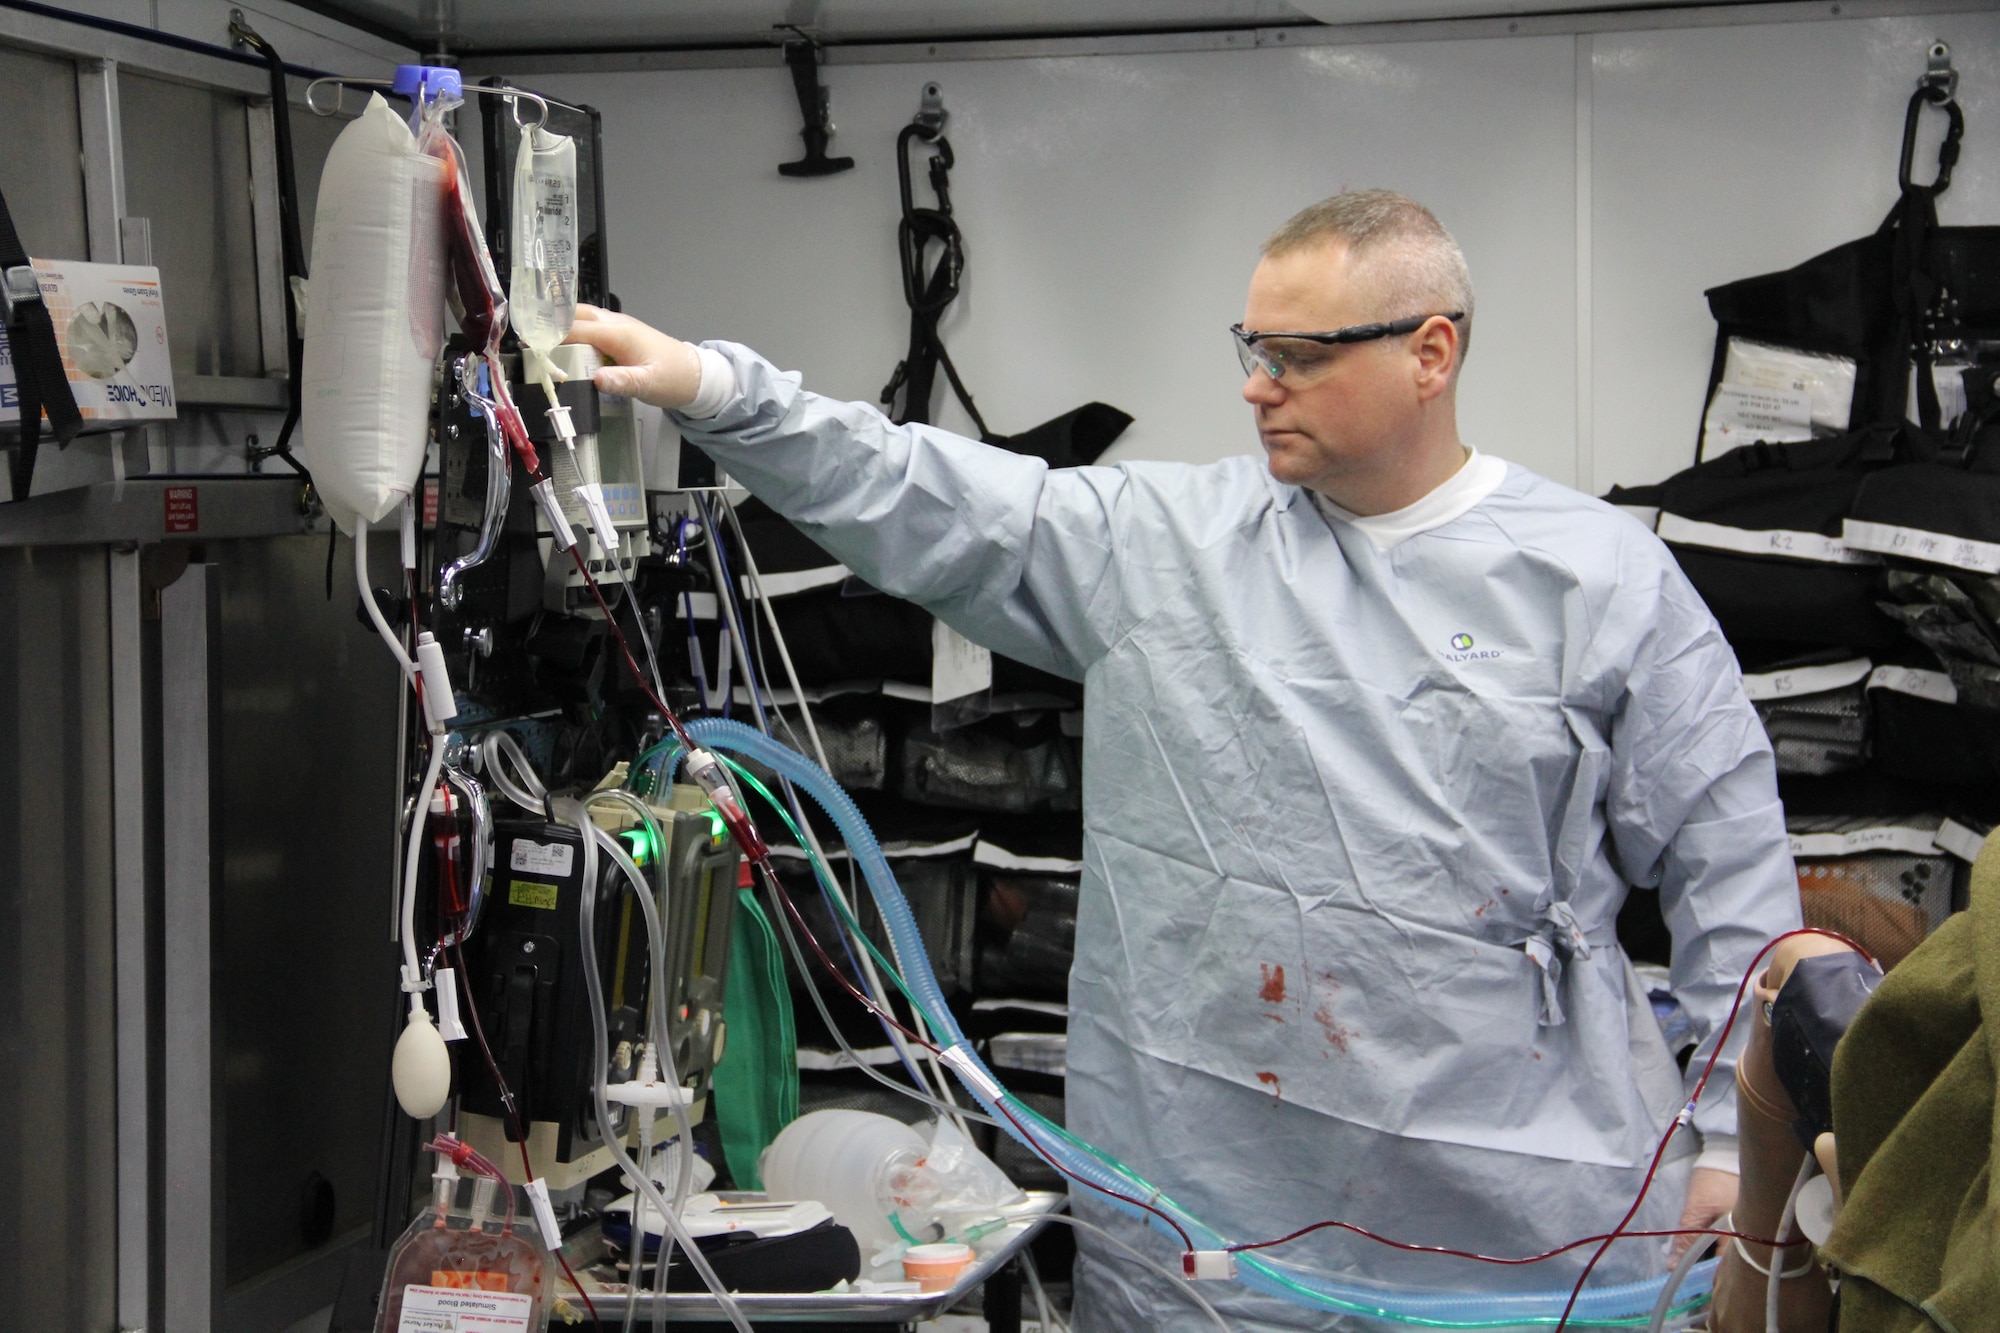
(514, 1120)
(1531, 1259)
(826, 962)
(625, 650)
(1605, 1240)
(1576, 1292)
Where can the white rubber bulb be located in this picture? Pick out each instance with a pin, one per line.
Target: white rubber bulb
(421, 1070)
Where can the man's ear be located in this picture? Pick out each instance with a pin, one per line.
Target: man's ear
(1436, 349)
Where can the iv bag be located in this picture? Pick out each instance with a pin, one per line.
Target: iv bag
(375, 318)
(543, 287)
(476, 298)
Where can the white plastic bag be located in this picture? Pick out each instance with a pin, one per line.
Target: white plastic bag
(542, 293)
(375, 320)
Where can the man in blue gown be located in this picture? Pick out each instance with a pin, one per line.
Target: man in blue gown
(1379, 732)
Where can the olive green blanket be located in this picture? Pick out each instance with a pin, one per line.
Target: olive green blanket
(1914, 1120)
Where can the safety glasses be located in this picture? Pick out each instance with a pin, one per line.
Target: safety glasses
(1303, 356)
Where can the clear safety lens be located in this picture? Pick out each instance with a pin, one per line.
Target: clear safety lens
(1294, 360)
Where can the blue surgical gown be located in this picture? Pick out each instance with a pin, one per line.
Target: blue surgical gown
(1357, 827)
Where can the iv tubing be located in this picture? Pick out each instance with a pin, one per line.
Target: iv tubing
(822, 871)
(1613, 1305)
(819, 750)
(733, 621)
(658, 1019)
(574, 812)
(368, 600)
(1775, 1281)
(657, 1022)
(1689, 1258)
(412, 851)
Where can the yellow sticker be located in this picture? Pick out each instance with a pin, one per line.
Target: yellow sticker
(527, 893)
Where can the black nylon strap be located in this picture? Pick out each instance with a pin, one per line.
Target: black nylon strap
(927, 296)
(38, 369)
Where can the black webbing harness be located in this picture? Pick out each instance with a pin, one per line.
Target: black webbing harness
(38, 368)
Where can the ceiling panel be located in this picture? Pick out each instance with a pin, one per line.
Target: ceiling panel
(517, 25)
(473, 25)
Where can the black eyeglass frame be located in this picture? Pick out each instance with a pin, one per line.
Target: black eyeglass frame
(1246, 341)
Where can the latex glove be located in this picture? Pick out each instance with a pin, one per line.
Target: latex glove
(651, 366)
(1711, 1194)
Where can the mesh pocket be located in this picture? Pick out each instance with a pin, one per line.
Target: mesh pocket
(972, 770)
(1818, 734)
(1815, 711)
(1887, 902)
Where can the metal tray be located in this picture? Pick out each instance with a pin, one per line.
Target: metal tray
(850, 1307)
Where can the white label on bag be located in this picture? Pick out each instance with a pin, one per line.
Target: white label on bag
(1940, 548)
(1882, 838)
(1741, 414)
(463, 1310)
(542, 858)
(958, 665)
(1806, 680)
(1769, 541)
(1932, 685)
(1960, 841)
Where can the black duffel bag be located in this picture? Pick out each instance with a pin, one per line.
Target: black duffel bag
(1943, 506)
(1885, 301)
(1758, 533)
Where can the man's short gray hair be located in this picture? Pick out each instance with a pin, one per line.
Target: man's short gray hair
(1416, 267)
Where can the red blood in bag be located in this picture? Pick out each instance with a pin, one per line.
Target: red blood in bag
(478, 301)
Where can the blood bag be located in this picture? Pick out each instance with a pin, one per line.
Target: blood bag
(374, 320)
(458, 1267)
(543, 286)
(476, 297)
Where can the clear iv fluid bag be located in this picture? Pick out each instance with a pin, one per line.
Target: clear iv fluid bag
(543, 286)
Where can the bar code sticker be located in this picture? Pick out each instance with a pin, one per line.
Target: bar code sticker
(542, 858)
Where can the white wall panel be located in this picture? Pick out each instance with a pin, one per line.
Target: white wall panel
(1720, 153)
(1112, 207)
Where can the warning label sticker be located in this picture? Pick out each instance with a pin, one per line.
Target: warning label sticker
(457, 1310)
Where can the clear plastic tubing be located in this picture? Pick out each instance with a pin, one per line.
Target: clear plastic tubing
(577, 816)
(1624, 1305)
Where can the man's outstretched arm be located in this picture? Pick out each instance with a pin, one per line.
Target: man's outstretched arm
(1011, 554)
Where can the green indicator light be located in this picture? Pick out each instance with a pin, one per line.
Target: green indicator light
(640, 843)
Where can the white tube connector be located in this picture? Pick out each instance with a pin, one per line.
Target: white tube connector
(651, 1092)
(449, 1025)
(409, 533)
(591, 495)
(439, 700)
(544, 492)
(558, 416)
(1208, 1266)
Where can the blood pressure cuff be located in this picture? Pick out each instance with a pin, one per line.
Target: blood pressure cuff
(1758, 533)
(1811, 1014)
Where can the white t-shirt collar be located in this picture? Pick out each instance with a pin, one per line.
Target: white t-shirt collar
(1478, 478)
